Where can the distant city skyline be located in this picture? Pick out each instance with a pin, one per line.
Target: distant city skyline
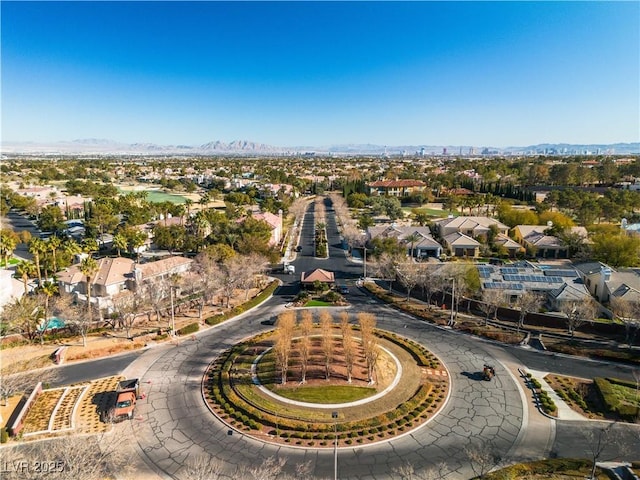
(305, 73)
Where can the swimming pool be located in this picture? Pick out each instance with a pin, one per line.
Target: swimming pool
(54, 322)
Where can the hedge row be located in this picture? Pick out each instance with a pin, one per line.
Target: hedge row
(607, 394)
(187, 329)
(237, 310)
(422, 357)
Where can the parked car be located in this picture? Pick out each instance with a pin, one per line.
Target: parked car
(299, 248)
(343, 289)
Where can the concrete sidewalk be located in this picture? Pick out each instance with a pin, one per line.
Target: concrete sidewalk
(565, 412)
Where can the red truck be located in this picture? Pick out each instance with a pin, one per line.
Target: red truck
(126, 394)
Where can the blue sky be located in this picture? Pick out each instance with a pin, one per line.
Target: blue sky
(294, 74)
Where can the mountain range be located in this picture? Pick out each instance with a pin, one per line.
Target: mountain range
(94, 146)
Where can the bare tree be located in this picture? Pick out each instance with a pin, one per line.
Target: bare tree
(157, 291)
(408, 472)
(326, 329)
(22, 376)
(126, 308)
(250, 266)
(428, 282)
(628, 312)
(369, 343)
(598, 440)
(348, 344)
(210, 273)
(409, 274)
(67, 307)
(284, 335)
(68, 458)
(386, 267)
(492, 298)
(270, 469)
(528, 302)
(230, 274)
(578, 313)
(204, 467)
(482, 458)
(306, 326)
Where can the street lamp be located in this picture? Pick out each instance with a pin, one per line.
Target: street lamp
(334, 415)
(173, 317)
(453, 302)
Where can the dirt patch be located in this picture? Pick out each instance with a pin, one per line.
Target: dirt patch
(7, 410)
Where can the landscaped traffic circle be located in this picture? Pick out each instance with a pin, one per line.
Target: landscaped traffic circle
(329, 391)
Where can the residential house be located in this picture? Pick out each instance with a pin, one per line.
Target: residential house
(396, 188)
(476, 227)
(536, 240)
(116, 275)
(161, 269)
(559, 284)
(461, 245)
(275, 222)
(567, 294)
(12, 288)
(604, 282)
(422, 246)
(512, 247)
(110, 278)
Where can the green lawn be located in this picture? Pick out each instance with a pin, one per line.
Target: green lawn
(430, 211)
(326, 394)
(626, 395)
(317, 303)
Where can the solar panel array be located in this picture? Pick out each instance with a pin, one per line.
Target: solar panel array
(485, 271)
(532, 278)
(509, 271)
(561, 273)
(504, 285)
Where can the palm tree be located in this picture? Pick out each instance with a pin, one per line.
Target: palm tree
(187, 203)
(37, 247)
(26, 270)
(49, 289)
(136, 240)
(8, 242)
(53, 244)
(120, 242)
(89, 267)
(412, 239)
(90, 245)
(70, 247)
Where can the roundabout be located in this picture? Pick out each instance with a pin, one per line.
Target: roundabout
(176, 424)
(242, 389)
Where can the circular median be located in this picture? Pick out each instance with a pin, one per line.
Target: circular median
(357, 405)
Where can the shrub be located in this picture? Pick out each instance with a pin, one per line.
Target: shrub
(4, 435)
(187, 329)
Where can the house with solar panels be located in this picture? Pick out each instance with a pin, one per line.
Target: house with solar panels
(556, 284)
